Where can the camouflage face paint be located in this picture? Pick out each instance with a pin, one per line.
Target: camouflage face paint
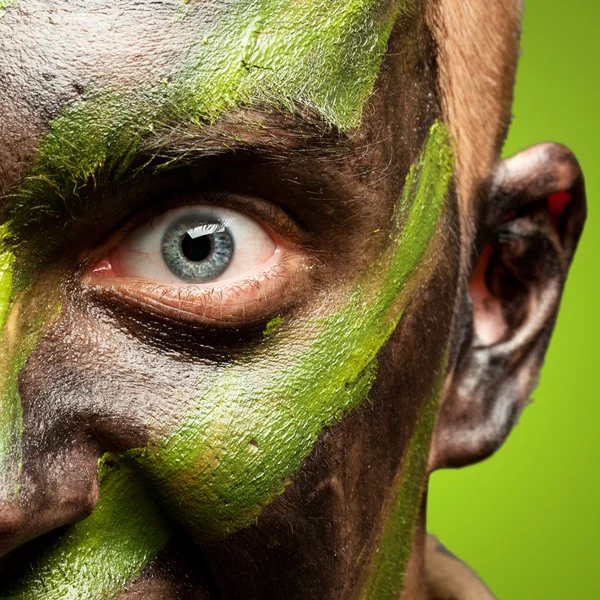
(278, 53)
(389, 564)
(252, 427)
(101, 554)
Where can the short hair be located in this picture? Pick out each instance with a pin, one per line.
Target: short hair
(478, 50)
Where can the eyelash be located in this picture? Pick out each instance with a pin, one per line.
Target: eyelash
(215, 305)
(278, 219)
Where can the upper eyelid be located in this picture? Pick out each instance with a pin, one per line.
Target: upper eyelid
(259, 209)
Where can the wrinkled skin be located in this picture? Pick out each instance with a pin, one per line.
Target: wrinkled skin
(264, 440)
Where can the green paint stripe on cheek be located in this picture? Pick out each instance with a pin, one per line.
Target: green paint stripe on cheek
(98, 556)
(290, 53)
(390, 561)
(254, 423)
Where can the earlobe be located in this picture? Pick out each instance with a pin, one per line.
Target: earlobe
(528, 233)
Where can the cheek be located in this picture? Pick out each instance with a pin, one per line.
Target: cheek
(219, 441)
(253, 423)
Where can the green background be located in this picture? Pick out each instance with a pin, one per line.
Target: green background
(527, 518)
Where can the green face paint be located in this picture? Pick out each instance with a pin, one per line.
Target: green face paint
(6, 276)
(250, 428)
(272, 326)
(101, 554)
(280, 54)
(388, 567)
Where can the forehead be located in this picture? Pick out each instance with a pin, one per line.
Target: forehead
(57, 51)
(192, 60)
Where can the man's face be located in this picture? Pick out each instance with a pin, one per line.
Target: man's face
(230, 261)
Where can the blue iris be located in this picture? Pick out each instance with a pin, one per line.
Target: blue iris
(197, 248)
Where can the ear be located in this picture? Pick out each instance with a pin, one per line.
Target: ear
(527, 235)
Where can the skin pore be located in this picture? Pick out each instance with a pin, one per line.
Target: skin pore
(267, 435)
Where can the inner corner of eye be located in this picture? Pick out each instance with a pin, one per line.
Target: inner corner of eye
(102, 267)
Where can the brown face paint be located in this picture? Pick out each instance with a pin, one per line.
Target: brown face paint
(265, 423)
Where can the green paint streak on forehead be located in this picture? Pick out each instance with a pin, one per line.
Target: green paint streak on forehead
(102, 553)
(286, 52)
(394, 547)
(282, 54)
(252, 428)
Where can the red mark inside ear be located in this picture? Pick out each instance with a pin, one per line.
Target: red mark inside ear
(557, 204)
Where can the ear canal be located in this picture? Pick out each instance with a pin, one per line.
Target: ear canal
(530, 229)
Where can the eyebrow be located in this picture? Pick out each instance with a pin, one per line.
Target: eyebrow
(116, 134)
(57, 187)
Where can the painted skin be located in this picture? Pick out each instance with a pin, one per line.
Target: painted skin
(265, 424)
(272, 417)
(241, 412)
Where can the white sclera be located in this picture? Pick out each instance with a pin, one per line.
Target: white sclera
(140, 254)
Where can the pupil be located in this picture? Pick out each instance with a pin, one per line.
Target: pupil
(196, 249)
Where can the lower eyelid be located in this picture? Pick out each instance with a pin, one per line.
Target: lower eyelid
(239, 303)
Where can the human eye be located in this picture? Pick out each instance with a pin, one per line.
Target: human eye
(202, 263)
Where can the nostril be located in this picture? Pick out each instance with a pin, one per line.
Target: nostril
(19, 560)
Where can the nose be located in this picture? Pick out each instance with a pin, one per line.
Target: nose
(53, 490)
